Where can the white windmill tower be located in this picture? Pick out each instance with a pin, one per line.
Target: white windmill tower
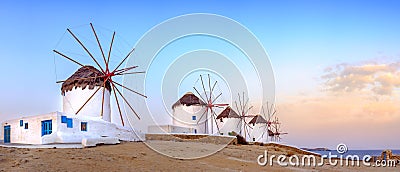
(229, 120)
(81, 86)
(187, 111)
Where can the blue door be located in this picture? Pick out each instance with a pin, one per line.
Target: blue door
(7, 134)
(47, 127)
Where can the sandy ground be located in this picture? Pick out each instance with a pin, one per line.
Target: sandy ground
(136, 156)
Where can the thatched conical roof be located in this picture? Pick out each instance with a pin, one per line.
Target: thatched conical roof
(76, 80)
(257, 120)
(228, 113)
(188, 99)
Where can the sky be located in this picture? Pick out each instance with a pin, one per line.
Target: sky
(336, 63)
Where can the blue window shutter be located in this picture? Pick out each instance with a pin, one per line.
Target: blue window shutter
(63, 119)
(47, 127)
(26, 125)
(21, 122)
(193, 118)
(69, 123)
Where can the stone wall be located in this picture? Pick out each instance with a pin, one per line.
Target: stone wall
(193, 138)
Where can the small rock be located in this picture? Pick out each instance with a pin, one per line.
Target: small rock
(143, 153)
(16, 164)
(24, 160)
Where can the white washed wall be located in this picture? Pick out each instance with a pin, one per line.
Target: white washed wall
(33, 134)
(96, 127)
(260, 133)
(73, 100)
(229, 125)
(1, 134)
(182, 116)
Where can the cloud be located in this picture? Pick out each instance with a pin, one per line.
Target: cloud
(348, 118)
(364, 104)
(380, 79)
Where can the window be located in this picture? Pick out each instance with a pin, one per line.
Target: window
(26, 125)
(63, 119)
(83, 126)
(47, 127)
(21, 122)
(194, 118)
(69, 123)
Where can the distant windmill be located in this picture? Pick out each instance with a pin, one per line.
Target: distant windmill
(260, 128)
(243, 110)
(277, 132)
(210, 103)
(266, 125)
(230, 120)
(271, 112)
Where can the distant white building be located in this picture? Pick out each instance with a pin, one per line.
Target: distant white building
(66, 126)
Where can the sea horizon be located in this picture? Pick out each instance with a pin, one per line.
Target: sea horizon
(360, 152)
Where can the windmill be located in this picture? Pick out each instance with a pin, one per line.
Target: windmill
(266, 124)
(271, 126)
(243, 110)
(271, 111)
(210, 103)
(277, 132)
(104, 74)
(230, 119)
(260, 127)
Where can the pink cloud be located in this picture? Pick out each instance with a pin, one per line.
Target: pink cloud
(349, 118)
(380, 79)
(362, 112)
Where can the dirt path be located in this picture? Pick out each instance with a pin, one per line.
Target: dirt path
(136, 156)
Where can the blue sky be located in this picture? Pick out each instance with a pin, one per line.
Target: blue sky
(302, 38)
